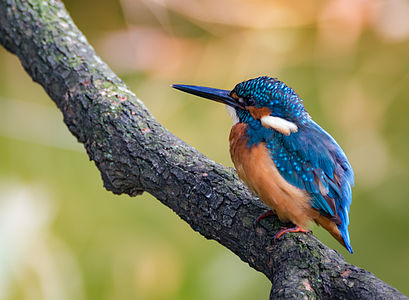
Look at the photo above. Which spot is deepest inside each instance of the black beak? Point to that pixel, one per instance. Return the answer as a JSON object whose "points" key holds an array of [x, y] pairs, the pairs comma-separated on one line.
{"points": [[222, 96]]}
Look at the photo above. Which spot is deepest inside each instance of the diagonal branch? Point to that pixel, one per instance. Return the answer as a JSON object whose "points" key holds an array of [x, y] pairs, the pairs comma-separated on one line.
{"points": [[134, 153]]}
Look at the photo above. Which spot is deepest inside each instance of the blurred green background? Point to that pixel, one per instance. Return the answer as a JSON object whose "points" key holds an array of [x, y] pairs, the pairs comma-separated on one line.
{"points": [[62, 236]]}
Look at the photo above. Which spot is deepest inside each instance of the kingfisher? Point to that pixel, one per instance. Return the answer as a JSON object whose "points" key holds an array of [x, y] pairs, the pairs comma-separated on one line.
{"points": [[285, 158]]}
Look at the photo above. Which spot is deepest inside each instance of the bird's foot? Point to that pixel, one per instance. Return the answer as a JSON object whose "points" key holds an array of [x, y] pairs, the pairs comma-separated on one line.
{"points": [[293, 229], [265, 214]]}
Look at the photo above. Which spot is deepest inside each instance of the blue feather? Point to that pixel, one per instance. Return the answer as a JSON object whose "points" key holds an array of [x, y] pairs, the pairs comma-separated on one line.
{"points": [[300, 157], [316, 150]]}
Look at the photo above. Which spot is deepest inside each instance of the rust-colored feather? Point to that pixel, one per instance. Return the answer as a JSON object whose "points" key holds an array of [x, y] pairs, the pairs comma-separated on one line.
{"points": [[257, 113]]}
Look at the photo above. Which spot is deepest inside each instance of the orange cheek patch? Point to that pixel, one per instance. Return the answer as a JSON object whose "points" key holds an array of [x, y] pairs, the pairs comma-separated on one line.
{"points": [[258, 113], [234, 95]]}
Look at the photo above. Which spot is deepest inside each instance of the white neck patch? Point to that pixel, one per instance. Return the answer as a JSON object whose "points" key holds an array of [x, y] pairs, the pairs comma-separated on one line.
{"points": [[232, 113], [279, 124]]}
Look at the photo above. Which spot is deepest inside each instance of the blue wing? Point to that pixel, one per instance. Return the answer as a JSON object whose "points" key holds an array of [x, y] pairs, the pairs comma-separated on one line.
{"points": [[313, 161]]}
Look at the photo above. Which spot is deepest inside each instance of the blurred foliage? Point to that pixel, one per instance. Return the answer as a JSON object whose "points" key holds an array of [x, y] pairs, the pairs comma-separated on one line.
{"points": [[63, 236]]}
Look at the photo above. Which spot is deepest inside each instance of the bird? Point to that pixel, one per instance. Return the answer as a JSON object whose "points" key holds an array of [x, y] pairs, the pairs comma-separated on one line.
{"points": [[284, 157]]}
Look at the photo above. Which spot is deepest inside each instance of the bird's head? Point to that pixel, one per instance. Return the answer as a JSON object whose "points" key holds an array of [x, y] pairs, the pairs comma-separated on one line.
{"points": [[265, 99]]}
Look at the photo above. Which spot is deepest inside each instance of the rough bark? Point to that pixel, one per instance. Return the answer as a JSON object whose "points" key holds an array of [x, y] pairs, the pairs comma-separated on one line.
{"points": [[134, 153]]}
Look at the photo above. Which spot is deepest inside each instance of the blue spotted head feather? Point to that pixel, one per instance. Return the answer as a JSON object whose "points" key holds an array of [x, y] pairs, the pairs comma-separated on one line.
{"points": [[272, 93]]}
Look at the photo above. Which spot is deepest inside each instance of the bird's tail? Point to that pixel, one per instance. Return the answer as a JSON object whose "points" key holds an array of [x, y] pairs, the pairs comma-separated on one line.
{"points": [[343, 212], [343, 228], [340, 232]]}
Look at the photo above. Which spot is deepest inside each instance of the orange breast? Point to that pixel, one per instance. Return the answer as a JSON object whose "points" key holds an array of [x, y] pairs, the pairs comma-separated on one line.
{"points": [[255, 167]]}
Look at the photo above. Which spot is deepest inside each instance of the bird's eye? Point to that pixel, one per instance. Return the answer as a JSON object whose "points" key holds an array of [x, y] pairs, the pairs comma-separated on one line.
{"points": [[250, 101]]}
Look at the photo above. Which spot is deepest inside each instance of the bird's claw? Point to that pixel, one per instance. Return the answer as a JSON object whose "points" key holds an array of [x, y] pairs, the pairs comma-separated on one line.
{"points": [[265, 214], [293, 229]]}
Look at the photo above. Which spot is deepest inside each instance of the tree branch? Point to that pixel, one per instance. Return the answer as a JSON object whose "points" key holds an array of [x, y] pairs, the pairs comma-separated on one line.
{"points": [[134, 153]]}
